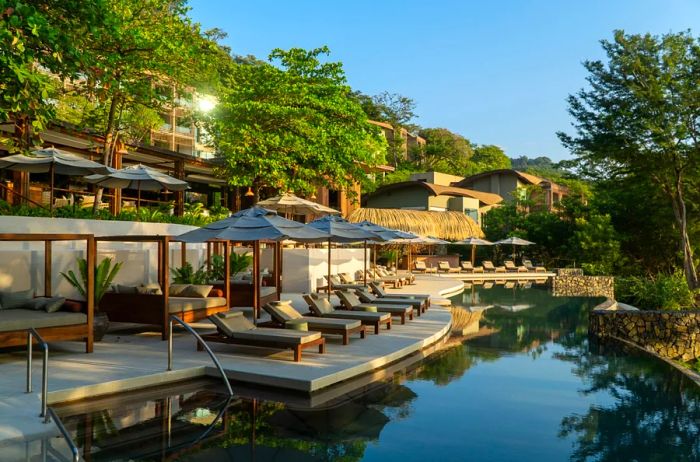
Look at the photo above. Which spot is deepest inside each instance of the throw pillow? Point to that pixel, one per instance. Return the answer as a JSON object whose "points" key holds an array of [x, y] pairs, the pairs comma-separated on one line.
{"points": [[216, 293], [177, 289], [127, 289], [155, 288], [54, 304], [13, 300], [73, 306], [196, 291], [148, 290], [35, 303]]}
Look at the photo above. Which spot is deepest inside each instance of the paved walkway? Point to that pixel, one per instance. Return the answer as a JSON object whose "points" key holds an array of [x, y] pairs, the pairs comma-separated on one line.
{"points": [[126, 362]]}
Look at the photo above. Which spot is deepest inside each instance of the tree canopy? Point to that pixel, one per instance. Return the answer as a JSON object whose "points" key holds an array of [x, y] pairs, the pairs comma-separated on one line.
{"points": [[292, 126], [639, 119]]}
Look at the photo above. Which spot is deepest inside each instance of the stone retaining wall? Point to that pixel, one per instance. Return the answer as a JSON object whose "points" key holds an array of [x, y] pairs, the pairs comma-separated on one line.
{"points": [[673, 335], [583, 286], [568, 271]]}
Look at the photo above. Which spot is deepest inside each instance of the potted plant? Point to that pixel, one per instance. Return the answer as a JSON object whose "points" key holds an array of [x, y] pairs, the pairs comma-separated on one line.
{"points": [[105, 273]]}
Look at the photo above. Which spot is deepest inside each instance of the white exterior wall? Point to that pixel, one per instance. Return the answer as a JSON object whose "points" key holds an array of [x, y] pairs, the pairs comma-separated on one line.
{"points": [[303, 269]]}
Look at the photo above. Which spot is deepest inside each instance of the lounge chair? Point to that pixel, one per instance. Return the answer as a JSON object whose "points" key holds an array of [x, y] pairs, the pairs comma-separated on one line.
{"points": [[444, 267], [467, 267], [511, 268], [235, 329], [420, 267], [337, 284], [381, 293], [352, 302], [406, 278], [395, 281], [489, 268], [535, 269], [282, 313], [322, 308], [366, 297]]}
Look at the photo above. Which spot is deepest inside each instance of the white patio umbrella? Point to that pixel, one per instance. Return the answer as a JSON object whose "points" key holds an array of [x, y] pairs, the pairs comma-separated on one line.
{"points": [[138, 177], [52, 161], [474, 241], [289, 204], [513, 241]]}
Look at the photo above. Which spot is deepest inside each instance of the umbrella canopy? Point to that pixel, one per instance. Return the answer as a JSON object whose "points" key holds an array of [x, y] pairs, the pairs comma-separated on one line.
{"points": [[255, 224], [386, 234], [291, 204], [52, 161], [43, 160], [474, 241], [138, 177], [513, 241], [341, 230]]}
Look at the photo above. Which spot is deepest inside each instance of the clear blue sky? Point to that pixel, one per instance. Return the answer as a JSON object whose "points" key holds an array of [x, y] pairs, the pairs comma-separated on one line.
{"points": [[497, 72]]}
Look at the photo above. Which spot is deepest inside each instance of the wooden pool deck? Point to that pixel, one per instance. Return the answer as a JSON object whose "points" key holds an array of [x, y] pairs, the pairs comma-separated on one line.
{"points": [[125, 361]]}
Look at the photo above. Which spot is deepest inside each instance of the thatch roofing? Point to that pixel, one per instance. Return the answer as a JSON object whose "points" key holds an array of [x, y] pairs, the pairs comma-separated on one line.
{"points": [[453, 226]]}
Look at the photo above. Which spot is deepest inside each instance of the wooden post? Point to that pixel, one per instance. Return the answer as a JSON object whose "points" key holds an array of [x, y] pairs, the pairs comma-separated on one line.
{"points": [[179, 195], [277, 274], [364, 262], [90, 291], [183, 254], [227, 272], [117, 192], [256, 280], [208, 256], [164, 263], [47, 268], [328, 289]]}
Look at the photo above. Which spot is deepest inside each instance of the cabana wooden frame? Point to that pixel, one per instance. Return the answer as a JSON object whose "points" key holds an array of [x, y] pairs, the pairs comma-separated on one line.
{"points": [[58, 333], [154, 309]]}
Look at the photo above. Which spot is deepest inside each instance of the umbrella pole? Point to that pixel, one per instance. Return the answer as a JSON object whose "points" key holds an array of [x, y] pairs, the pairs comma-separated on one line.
{"points": [[138, 198], [52, 174], [364, 261], [256, 281], [329, 270], [473, 254]]}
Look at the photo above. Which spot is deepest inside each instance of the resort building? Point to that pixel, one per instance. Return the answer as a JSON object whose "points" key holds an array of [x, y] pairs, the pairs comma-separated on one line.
{"points": [[432, 192], [513, 184], [410, 141]]}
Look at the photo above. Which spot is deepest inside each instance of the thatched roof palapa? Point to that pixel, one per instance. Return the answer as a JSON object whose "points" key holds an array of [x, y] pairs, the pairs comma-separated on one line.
{"points": [[453, 226]]}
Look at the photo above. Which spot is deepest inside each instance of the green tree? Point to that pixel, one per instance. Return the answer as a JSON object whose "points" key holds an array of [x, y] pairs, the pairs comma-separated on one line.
{"points": [[39, 38], [488, 157], [639, 118], [292, 127], [444, 151]]}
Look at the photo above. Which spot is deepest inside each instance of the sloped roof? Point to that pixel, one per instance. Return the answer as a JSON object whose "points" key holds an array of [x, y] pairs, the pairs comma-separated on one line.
{"points": [[525, 177], [439, 190], [454, 226]]}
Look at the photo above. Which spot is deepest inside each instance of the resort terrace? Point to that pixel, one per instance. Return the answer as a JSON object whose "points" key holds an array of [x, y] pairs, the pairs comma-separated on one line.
{"points": [[127, 359]]}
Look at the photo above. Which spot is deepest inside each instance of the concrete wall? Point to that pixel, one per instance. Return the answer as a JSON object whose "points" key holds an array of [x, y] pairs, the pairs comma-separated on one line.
{"points": [[583, 286], [673, 335], [303, 269], [501, 184], [443, 179], [410, 197]]}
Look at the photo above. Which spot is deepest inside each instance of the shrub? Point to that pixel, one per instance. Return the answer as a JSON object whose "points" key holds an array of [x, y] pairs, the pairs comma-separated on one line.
{"points": [[659, 292]]}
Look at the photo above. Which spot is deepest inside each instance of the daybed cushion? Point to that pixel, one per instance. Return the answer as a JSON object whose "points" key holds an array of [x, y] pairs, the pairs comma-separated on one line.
{"points": [[11, 320], [180, 304], [196, 291], [237, 326], [176, 289], [12, 300]]}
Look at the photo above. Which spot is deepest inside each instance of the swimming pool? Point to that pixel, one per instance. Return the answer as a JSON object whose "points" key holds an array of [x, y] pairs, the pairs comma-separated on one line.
{"points": [[528, 386]]}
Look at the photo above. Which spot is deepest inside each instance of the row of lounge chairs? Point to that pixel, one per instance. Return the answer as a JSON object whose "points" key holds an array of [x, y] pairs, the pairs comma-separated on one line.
{"points": [[378, 275], [486, 267], [362, 309]]}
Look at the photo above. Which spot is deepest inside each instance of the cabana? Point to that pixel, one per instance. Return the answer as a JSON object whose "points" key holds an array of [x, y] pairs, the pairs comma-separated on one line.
{"points": [[155, 306], [60, 325]]}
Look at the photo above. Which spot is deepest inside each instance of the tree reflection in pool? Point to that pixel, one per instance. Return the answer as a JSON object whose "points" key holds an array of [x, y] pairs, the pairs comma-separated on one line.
{"points": [[527, 386]]}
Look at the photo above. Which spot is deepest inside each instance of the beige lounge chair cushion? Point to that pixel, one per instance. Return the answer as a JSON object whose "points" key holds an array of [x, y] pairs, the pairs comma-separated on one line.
{"points": [[320, 323], [358, 315], [282, 311], [11, 320], [237, 326], [182, 304]]}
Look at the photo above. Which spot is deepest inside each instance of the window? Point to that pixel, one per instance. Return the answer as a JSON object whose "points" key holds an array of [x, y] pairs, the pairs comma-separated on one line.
{"points": [[473, 214]]}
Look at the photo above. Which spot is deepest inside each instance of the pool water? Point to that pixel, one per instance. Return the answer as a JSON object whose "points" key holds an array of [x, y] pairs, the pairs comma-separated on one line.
{"points": [[527, 386]]}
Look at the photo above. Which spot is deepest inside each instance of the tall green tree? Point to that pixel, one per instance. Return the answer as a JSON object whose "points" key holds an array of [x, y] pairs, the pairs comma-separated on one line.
{"points": [[444, 151], [488, 157], [293, 126], [640, 117], [38, 39]]}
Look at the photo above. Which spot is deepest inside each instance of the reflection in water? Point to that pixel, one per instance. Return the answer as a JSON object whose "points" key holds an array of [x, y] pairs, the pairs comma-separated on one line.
{"points": [[527, 386]]}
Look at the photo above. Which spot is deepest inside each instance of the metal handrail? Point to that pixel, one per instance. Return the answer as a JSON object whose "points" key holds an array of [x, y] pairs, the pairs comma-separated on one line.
{"points": [[66, 435], [31, 332], [201, 341]]}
